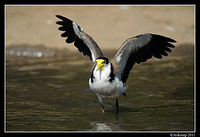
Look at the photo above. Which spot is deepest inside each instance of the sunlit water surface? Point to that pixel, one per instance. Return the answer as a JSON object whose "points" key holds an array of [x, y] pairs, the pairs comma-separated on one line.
{"points": [[52, 94]]}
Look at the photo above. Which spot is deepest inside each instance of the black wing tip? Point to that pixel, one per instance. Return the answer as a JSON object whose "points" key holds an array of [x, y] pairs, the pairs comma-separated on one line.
{"points": [[59, 22], [63, 18], [59, 16], [163, 37], [171, 40]]}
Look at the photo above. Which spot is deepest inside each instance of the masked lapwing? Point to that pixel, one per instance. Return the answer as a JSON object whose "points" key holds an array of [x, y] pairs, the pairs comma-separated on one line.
{"points": [[109, 76]]}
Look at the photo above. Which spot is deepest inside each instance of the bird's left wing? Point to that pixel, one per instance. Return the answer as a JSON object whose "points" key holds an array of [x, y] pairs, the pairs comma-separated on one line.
{"points": [[74, 33], [138, 49]]}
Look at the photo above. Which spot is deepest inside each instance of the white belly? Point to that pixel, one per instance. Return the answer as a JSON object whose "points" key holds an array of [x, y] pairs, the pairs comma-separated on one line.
{"points": [[106, 89]]}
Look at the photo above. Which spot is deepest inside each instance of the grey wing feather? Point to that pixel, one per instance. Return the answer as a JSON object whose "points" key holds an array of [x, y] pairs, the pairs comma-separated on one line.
{"points": [[138, 49], [82, 40]]}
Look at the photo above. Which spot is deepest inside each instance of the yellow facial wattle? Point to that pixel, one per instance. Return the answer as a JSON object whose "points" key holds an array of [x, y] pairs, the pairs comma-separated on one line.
{"points": [[100, 64]]}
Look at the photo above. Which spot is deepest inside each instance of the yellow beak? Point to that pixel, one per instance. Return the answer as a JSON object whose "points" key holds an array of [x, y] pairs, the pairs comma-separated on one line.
{"points": [[100, 64]]}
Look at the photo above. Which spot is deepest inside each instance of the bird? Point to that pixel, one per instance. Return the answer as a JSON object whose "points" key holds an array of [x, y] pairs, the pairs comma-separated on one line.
{"points": [[108, 77]]}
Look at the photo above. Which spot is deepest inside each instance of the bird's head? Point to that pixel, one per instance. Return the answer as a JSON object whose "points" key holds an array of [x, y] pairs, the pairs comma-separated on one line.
{"points": [[101, 61]]}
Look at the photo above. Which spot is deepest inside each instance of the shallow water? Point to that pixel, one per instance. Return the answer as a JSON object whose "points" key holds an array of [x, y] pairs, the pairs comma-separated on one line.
{"points": [[52, 94]]}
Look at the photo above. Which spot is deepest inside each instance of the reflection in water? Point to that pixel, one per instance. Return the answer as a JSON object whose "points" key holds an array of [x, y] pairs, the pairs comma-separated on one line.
{"points": [[52, 94], [107, 122], [30, 51], [100, 127]]}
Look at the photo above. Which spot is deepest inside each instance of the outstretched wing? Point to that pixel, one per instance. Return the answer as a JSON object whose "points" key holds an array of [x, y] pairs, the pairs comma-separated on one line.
{"points": [[82, 40], [138, 49]]}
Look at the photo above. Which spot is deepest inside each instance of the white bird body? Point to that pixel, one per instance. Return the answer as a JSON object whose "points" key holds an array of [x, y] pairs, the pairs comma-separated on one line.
{"points": [[102, 86]]}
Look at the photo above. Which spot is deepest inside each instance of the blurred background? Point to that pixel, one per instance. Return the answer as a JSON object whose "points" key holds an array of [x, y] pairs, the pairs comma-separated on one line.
{"points": [[109, 25], [47, 79]]}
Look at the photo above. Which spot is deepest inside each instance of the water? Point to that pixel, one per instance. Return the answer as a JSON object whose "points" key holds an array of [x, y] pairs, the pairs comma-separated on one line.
{"points": [[52, 94]]}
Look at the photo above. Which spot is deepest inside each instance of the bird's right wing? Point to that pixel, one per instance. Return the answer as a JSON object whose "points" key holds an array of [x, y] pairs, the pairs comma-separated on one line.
{"points": [[138, 49], [82, 40]]}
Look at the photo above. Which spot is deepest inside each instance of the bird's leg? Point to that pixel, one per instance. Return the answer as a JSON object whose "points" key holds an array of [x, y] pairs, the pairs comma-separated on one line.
{"points": [[117, 105], [101, 102], [124, 94], [102, 108]]}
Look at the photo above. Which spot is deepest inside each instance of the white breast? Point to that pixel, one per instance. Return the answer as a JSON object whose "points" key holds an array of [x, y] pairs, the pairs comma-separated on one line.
{"points": [[102, 86]]}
